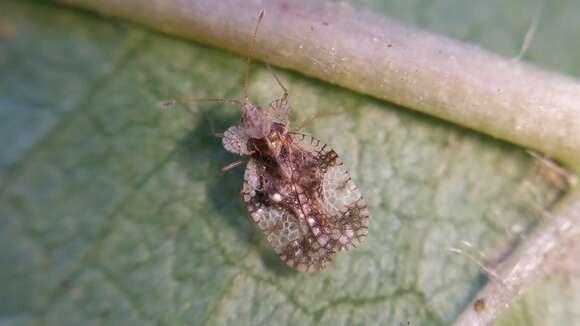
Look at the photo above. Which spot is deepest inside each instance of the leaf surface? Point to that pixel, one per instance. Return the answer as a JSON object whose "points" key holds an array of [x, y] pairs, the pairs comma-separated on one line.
{"points": [[113, 211]]}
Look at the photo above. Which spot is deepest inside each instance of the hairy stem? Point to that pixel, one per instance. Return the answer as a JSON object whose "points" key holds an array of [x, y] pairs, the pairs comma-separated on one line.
{"points": [[373, 55], [522, 268]]}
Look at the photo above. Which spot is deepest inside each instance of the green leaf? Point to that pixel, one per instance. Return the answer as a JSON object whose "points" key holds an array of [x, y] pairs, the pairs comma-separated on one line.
{"points": [[115, 212]]}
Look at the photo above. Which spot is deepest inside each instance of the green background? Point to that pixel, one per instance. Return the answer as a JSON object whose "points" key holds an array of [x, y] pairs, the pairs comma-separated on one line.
{"points": [[115, 212]]}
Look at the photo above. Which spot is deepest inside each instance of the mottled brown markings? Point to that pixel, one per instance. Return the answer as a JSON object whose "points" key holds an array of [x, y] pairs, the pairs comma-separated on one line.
{"points": [[296, 189]]}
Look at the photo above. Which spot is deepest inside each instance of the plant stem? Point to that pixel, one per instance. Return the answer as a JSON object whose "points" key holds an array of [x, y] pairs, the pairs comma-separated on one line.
{"points": [[373, 55], [536, 252], [501, 97]]}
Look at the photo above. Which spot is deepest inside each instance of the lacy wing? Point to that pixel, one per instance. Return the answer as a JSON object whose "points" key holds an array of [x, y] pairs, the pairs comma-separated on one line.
{"points": [[345, 209], [289, 235]]}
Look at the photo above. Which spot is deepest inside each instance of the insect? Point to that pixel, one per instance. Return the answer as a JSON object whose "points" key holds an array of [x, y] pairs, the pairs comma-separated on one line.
{"points": [[296, 189]]}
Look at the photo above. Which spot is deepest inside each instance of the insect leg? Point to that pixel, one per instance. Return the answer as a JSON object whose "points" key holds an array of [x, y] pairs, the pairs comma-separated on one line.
{"points": [[312, 117], [215, 133], [232, 165]]}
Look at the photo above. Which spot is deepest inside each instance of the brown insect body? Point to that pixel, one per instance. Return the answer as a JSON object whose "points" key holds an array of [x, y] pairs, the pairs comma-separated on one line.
{"points": [[296, 189]]}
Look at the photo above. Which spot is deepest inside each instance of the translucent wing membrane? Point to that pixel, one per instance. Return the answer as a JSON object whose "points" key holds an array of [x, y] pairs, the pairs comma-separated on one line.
{"points": [[236, 141], [340, 201], [279, 111], [284, 228]]}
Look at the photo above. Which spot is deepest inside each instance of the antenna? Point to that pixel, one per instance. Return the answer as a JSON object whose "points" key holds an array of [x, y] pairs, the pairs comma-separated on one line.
{"points": [[285, 96], [186, 100], [252, 46]]}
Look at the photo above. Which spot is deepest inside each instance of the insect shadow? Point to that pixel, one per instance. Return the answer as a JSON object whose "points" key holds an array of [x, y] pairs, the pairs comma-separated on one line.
{"points": [[202, 155]]}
